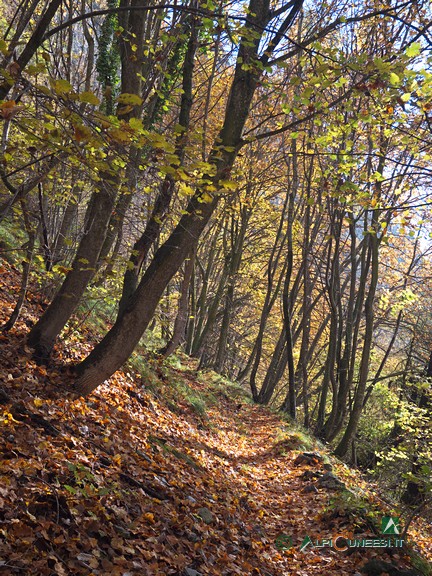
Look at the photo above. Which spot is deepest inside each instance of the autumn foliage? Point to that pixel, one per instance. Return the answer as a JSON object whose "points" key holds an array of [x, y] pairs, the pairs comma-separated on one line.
{"points": [[135, 481]]}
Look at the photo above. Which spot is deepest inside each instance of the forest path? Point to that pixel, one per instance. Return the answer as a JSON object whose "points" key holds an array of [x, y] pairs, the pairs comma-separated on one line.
{"points": [[163, 472]]}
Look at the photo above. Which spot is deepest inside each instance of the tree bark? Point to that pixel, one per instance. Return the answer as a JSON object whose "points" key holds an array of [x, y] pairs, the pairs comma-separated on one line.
{"points": [[289, 404], [121, 340], [44, 334], [237, 242], [351, 428], [182, 314], [159, 213], [33, 44], [26, 270]]}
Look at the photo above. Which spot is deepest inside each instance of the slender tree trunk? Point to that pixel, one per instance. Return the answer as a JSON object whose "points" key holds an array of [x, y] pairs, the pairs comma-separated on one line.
{"points": [[22, 190], [351, 428], [182, 314], [159, 213], [46, 244], [333, 291], [205, 308], [208, 314], [69, 216], [26, 270], [44, 334], [339, 407], [33, 44], [237, 242], [20, 23], [302, 367], [114, 229], [289, 404], [190, 324], [275, 370], [270, 298]]}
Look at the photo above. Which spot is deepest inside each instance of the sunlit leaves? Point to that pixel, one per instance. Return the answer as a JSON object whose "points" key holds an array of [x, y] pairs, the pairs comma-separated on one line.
{"points": [[130, 99], [413, 49], [61, 87], [89, 98], [394, 79]]}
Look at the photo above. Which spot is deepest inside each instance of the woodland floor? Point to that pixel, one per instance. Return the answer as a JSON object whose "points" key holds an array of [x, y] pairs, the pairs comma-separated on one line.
{"points": [[130, 483]]}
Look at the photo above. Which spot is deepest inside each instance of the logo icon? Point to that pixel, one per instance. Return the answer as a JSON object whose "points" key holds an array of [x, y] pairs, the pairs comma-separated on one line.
{"points": [[283, 542], [390, 525], [306, 542]]}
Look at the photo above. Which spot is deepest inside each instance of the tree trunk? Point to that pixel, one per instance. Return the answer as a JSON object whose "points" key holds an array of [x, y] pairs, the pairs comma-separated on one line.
{"points": [[270, 298], [182, 314], [275, 370], [43, 335], [26, 270], [121, 340], [289, 404], [237, 242], [159, 213], [333, 291], [69, 216], [351, 428], [33, 44]]}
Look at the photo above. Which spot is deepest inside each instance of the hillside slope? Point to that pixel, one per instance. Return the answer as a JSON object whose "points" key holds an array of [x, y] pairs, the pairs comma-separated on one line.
{"points": [[175, 473]]}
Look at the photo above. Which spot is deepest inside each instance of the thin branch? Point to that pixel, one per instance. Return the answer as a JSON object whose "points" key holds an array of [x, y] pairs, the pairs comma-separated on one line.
{"points": [[107, 11], [297, 122], [333, 26]]}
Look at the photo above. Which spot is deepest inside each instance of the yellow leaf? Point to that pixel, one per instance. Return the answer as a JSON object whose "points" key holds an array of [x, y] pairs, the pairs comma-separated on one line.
{"points": [[136, 124], [119, 135], [89, 98], [394, 79], [63, 269], [185, 190], [129, 99], [205, 197], [61, 86], [3, 47], [228, 184]]}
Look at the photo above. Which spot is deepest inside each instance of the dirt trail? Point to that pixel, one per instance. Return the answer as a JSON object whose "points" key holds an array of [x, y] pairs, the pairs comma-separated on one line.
{"points": [[135, 481]]}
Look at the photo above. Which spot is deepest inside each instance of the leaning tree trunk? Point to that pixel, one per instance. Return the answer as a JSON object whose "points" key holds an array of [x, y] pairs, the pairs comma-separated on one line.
{"points": [[32, 44], [120, 341]]}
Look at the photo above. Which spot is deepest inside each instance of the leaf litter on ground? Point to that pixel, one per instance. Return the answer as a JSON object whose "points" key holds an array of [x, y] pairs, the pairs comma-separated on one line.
{"points": [[122, 484]]}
